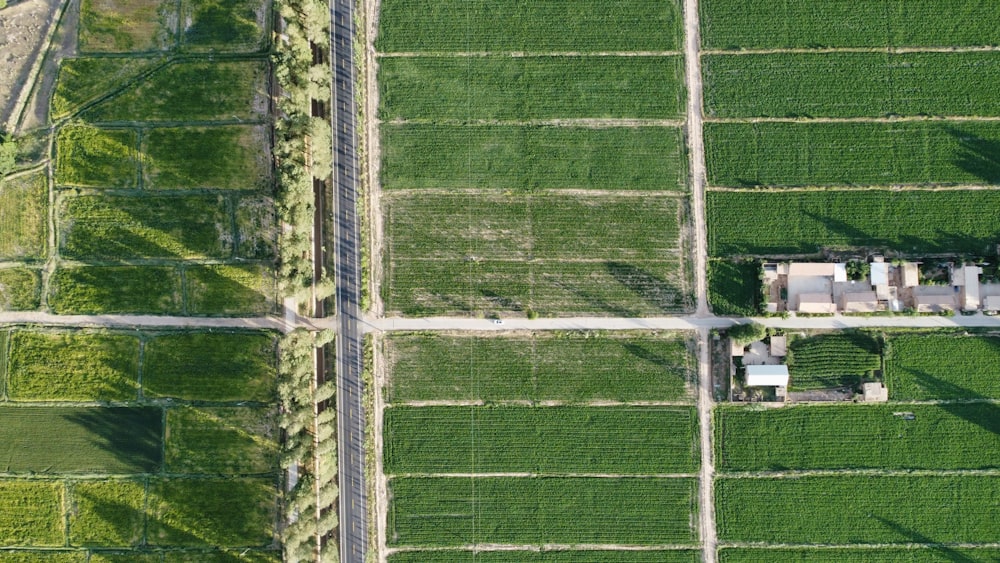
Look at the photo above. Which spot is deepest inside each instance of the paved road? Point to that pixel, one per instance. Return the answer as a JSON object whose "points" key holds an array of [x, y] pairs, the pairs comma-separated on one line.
{"points": [[347, 249]]}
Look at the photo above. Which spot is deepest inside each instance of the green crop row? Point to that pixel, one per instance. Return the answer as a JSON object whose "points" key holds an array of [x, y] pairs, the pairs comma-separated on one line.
{"points": [[83, 81], [23, 217], [553, 556], [832, 360], [528, 158], [501, 510], [942, 366], [539, 367], [734, 288], [918, 554], [20, 289], [948, 436], [221, 440], [619, 440]]}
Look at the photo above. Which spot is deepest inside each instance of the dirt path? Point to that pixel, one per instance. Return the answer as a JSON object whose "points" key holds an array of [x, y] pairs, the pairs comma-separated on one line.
{"points": [[26, 29], [373, 155], [696, 150], [706, 512]]}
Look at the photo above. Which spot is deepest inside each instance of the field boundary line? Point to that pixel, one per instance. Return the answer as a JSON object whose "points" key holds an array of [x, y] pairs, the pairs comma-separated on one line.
{"points": [[857, 188], [858, 119], [520, 193], [523, 54], [544, 548], [831, 50], [880, 472], [538, 404], [541, 475], [578, 122], [845, 546]]}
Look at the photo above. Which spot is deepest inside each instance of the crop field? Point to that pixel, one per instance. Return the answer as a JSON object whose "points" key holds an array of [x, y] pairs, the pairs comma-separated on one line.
{"points": [[115, 26], [88, 156], [892, 509], [583, 556], [116, 289], [48, 556], [23, 217], [832, 360], [934, 554], [852, 84], [221, 25], [760, 24], [540, 367], [502, 510], [942, 366], [222, 157], [229, 440], [225, 289], [512, 157], [443, 88], [506, 25], [552, 440], [20, 289], [204, 512], [805, 222], [107, 513], [38, 509], [82, 81], [734, 288], [832, 154], [949, 436]]}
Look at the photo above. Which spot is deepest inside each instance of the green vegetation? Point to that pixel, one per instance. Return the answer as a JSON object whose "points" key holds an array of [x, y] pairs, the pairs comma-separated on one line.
{"points": [[952, 436], [123, 227], [435, 88], [827, 154], [227, 157], [125, 557], [734, 288], [72, 366], [20, 289], [211, 512], [82, 81], [33, 510], [757, 24], [492, 25], [80, 440], [93, 157], [224, 25], [852, 84], [115, 289], [552, 440], [220, 440], [46, 556], [942, 366], [524, 157], [211, 367], [832, 509], [539, 367], [24, 205], [566, 556], [256, 228], [832, 360], [747, 332], [127, 26], [806, 222], [221, 289], [232, 556], [107, 513], [932, 554], [503, 510]]}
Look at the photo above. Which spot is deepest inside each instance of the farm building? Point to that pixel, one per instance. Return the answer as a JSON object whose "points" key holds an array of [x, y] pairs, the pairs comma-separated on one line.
{"points": [[934, 303], [779, 346], [818, 303], [967, 278], [991, 303], [767, 376], [860, 302], [874, 392], [911, 274]]}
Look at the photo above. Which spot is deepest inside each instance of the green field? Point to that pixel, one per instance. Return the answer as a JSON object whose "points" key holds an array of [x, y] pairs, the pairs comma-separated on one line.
{"points": [[527, 158], [942, 366], [115, 289], [226, 157], [48, 557], [72, 366], [832, 360], [757, 24], [505, 25], [468, 88], [256, 228], [99, 158], [932, 554], [852, 84], [107, 513], [952, 436], [539, 367], [20, 289], [221, 440], [33, 511], [126, 26], [859, 509], [223, 289], [24, 203], [805, 222], [552, 440], [84, 80], [80, 439], [216, 556], [125, 557], [567, 556], [211, 367], [224, 25], [211, 512], [463, 511], [734, 288], [124, 227], [830, 154]]}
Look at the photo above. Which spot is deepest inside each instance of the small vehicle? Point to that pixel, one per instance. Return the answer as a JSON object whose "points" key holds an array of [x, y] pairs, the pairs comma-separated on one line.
{"points": [[498, 321]]}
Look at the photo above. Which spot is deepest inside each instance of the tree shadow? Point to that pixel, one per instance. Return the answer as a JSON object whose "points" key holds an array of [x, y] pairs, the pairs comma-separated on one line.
{"points": [[948, 553], [654, 290], [130, 435], [972, 406], [978, 156]]}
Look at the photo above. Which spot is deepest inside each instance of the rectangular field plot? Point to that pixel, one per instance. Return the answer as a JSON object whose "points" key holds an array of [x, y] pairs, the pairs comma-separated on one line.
{"points": [[852, 84], [831, 154], [500, 510], [859, 509], [734, 288], [24, 203], [72, 366], [221, 440], [523, 157], [223, 556], [560, 556], [469, 88], [83, 80], [114, 26], [932, 554], [33, 512], [20, 289], [222, 289], [48, 556], [100, 158], [115, 289], [760, 24], [539, 367], [950, 436], [553, 440], [191, 91], [805, 222], [80, 439], [832, 360], [225, 157], [125, 557], [922, 367], [211, 512], [124, 227], [107, 513], [224, 25], [505, 25], [211, 367], [256, 228]]}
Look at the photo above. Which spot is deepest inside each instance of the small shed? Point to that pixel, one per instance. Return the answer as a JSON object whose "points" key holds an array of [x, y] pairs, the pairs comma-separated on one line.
{"points": [[821, 303], [874, 392], [911, 274], [934, 303], [767, 376], [736, 349], [880, 273], [991, 303], [779, 347], [860, 302]]}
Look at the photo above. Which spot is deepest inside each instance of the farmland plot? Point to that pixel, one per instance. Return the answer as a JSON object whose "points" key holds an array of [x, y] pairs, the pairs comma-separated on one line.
{"points": [[33, 513], [220, 25], [832, 360], [107, 513], [221, 440], [942, 366], [934, 554], [734, 288], [114, 26], [82, 81], [211, 512], [88, 156], [20, 289], [116, 289], [562, 556], [230, 289], [48, 556], [223, 157], [23, 217]]}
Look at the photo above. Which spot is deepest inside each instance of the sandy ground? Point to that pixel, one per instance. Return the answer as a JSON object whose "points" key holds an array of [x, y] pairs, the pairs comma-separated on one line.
{"points": [[23, 30], [373, 146]]}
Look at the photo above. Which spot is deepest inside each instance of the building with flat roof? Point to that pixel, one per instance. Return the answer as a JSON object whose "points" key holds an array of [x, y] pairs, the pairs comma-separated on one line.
{"points": [[779, 346], [816, 303], [767, 376], [934, 303], [859, 302]]}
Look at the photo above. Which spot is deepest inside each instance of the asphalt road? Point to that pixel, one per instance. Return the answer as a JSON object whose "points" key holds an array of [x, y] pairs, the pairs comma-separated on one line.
{"points": [[347, 271]]}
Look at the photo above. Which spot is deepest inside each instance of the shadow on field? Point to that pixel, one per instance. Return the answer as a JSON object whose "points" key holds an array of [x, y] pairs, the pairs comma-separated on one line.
{"points": [[979, 157], [973, 406], [649, 287], [943, 242], [644, 354], [132, 435], [948, 553]]}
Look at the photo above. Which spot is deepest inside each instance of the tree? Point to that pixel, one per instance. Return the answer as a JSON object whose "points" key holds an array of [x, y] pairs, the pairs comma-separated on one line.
{"points": [[747, 333]]}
